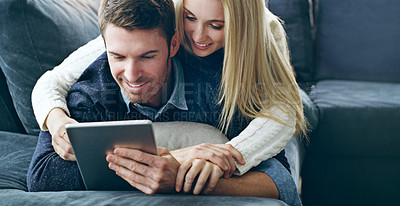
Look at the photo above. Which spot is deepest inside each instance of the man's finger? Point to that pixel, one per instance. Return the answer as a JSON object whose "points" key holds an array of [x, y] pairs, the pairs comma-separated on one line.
{"points": [[132, 166], [136, 180], [65, 146], [138, 156], [63, 149], [65, 136]]}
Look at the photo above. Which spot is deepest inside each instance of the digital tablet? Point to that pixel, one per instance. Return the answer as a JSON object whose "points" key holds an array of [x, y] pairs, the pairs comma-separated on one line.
{"points": [[91, 142]]}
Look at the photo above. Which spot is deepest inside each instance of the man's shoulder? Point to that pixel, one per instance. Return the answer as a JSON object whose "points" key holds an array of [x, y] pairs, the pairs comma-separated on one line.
{"points": [[95, 88], [97, 76]]}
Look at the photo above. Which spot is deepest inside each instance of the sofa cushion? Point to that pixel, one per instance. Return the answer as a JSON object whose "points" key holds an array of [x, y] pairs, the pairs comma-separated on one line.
{"points": [[16, 152], [358, 40], [356, 119], [296, 16], [35, 37], [137, 198]]}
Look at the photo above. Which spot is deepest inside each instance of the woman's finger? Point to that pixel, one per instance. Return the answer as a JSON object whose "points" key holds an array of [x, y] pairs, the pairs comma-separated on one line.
{"points": [[214, 178], [180, 176], [225, 154], [203, 177], [193, 172]]}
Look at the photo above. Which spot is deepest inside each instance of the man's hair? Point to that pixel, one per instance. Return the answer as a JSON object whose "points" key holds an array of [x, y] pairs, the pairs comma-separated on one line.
{"points": [[138, 14]]}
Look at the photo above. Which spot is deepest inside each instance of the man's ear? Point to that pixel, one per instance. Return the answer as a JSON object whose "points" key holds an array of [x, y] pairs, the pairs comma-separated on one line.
{"points": [[175, 44]]}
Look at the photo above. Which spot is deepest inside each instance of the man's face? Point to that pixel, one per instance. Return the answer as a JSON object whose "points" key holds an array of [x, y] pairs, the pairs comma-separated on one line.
{"points": [[139, 63]]}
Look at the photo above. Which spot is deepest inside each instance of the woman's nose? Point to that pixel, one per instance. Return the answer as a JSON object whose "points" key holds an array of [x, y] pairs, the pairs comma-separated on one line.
{"points": [[200, 34]]}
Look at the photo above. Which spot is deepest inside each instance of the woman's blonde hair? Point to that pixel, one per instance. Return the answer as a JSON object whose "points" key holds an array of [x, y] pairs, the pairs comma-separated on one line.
{"points": [[257, 74]]}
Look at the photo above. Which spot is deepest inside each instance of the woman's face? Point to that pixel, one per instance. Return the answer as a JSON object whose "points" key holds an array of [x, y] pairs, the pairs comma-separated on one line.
{"points": [[204, 25]]}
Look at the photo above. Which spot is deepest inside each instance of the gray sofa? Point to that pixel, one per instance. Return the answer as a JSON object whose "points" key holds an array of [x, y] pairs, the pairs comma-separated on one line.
{"points": [[345, 53]]}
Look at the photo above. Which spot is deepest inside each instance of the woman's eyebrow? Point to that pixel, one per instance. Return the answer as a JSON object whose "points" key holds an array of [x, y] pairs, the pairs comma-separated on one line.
{"points": [[188, 11], [213, 20]]}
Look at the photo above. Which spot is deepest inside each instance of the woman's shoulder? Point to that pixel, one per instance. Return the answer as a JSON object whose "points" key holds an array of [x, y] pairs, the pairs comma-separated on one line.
{"points": [[275, 24]]}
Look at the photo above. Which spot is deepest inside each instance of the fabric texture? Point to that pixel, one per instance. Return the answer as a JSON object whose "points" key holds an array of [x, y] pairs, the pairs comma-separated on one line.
{"points": [[348, 109], [15, 154], [279, 175], [9, 120], [90, 198], [297, 23], [358, 40], [35, 37]]}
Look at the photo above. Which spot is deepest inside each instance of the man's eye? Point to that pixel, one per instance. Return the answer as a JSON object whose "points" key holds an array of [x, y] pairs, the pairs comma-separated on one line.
{"points": [[118, 57], [148, 57]]}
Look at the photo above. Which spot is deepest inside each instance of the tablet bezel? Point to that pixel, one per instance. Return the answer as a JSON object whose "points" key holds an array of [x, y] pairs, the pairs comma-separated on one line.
{"points": [[92, 141]]}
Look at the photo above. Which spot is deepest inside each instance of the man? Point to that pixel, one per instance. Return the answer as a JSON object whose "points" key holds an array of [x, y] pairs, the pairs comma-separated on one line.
{"points": [[137, 78]]}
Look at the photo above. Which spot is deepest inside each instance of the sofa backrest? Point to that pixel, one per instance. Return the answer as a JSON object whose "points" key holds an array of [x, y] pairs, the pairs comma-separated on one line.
{"points": [[297, 23], [358, 40], [35, 37], [9, 120]]}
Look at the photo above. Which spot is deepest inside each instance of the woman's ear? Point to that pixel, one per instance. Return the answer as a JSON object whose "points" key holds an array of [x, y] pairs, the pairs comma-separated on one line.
{"points": [[175, 44]]}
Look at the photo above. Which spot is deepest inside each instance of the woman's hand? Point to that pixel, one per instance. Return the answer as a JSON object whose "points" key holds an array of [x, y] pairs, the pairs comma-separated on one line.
{"points": [[223, 155], [56, 121], [205, 171]]}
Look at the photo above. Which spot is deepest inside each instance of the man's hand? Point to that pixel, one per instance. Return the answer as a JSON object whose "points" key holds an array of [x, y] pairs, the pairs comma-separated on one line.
{"points": [[205, 171], [56, 121], [146, 172], [223, 155]]}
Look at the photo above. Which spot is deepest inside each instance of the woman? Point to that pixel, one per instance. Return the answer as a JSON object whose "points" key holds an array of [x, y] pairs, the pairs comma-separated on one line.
{"points": [[257, 78]]}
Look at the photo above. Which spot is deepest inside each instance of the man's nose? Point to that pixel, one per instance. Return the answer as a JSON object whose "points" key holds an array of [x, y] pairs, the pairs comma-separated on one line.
{"points": [[133, 71], [200, 34]]}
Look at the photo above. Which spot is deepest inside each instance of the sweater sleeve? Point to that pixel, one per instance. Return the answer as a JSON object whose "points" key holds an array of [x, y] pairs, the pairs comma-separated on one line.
{"points": [[262, 139], [52, 87]]}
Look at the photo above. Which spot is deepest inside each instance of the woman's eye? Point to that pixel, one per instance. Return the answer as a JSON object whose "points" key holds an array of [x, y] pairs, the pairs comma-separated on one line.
{"points": [[216, 27], [190, 18]]}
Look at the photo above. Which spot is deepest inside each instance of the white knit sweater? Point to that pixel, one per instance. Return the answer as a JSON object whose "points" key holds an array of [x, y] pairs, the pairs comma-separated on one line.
{"points": [[262, 139]]}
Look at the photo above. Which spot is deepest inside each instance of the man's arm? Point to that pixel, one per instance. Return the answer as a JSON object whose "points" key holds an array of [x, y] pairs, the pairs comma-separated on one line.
{"points": [[254, 184], [269, 179]]}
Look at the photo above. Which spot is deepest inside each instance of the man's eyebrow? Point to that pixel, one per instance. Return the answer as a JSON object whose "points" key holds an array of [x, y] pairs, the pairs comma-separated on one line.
{"points": [[213, 20], [150, 52], [114, 53], [144, 54]]}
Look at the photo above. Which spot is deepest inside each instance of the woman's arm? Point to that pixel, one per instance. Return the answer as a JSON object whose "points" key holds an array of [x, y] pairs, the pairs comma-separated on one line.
{"points": [[262, 139], [52, 87]]}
